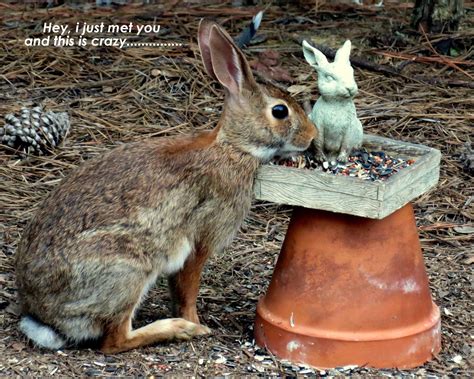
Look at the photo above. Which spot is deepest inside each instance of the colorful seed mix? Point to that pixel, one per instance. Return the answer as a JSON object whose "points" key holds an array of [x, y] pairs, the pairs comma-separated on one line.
{"points": [[367, 165]]}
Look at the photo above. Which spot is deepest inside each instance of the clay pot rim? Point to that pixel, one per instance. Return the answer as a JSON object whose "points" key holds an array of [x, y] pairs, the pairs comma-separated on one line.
{"points": [[378, 335]]}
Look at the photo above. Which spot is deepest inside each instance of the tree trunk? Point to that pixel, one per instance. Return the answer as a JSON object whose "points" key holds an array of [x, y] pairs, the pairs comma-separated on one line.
{"points": [[437, 16]]}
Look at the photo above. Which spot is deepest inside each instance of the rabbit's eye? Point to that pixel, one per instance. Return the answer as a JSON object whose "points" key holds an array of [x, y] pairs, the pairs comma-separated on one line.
{"points": [[329, 77], [280, 111]]}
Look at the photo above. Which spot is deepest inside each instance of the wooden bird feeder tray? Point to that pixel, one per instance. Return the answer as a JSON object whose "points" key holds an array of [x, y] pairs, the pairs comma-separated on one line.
{"points": [[350, 286], [350, 195]]}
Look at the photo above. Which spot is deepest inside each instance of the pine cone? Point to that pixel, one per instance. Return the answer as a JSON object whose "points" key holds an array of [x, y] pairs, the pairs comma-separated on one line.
{"points": [[34, 131]]}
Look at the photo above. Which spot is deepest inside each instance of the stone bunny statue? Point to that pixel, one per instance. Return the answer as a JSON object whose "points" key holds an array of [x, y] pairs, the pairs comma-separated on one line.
{"points": [[334, 114]]}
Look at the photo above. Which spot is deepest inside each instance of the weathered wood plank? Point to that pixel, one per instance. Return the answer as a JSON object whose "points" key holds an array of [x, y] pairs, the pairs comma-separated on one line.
{"points": [[399, 198], [293, 194], [318, 180], [410, 175]]}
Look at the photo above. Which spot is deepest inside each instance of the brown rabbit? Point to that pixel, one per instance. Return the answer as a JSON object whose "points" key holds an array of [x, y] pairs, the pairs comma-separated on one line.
{"points": [[158, 207]]}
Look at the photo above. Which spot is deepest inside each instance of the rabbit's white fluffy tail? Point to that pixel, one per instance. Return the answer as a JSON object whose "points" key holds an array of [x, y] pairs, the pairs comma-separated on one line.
{"points": [[41, 334]]}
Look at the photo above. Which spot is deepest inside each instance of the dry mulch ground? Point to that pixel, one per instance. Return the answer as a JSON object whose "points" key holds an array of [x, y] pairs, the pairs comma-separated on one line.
{"points": [[117, 96]]}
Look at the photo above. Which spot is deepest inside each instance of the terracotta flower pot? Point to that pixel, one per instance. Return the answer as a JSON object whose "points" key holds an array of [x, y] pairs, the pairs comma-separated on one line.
{"points": [[350, 290]]}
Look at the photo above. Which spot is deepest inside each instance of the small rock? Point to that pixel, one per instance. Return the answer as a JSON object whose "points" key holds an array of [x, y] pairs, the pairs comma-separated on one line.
{"points": [[220, 360], [349, 367], [467, 349], [457, 359], [92, 372]]}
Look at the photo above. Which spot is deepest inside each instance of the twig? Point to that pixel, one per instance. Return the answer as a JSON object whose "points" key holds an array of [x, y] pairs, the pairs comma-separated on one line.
{"points": [[448, 83], [446, 61], [415, 58]]}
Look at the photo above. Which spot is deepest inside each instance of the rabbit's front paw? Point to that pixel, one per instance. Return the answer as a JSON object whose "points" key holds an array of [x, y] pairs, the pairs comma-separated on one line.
{"points": [[185, 330]]}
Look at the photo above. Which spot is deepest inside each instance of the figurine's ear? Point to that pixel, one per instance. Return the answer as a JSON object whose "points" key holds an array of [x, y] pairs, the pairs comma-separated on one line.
{"points": [[313, 56], [343, 54]]}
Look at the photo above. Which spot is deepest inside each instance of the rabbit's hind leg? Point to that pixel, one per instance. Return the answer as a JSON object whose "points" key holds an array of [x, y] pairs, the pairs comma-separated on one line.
{"points": [[121, 337]]}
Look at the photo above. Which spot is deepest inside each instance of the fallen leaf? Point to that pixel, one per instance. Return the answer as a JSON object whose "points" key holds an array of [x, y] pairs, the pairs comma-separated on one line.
{"points": [[304, 77], [167, 73], [18, 346], [275, 73], [13, 309], [267, 65], [469, 260], [465, 229], [269, 57], [297, 88]]}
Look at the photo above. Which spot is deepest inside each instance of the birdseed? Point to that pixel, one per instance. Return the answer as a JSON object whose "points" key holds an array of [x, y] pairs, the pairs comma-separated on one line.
{"points": [[363, 164]]}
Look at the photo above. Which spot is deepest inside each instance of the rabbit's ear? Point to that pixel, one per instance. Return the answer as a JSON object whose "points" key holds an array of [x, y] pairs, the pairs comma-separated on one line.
{"points": [[228, 62], [344, 52], [313, 56], [204, 33]]}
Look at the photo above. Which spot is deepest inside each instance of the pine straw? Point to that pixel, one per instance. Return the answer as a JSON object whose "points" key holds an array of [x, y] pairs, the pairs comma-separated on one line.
{"points": [[117, 96]]}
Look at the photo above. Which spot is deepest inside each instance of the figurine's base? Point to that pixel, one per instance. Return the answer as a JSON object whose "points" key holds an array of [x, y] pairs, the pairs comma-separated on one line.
{"points": [[350, 291]]}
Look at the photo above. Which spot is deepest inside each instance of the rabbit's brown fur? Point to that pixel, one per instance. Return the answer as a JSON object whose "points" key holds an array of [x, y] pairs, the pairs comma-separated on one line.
{"points": [[159, 207]]}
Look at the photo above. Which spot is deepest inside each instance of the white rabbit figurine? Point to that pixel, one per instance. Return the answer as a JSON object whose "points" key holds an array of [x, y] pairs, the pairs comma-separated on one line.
{"points": [[334, 114]]}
